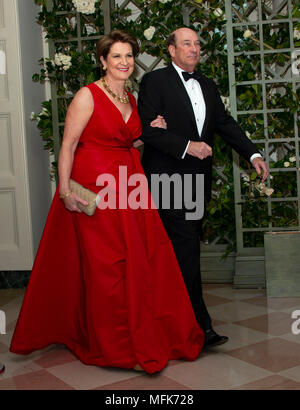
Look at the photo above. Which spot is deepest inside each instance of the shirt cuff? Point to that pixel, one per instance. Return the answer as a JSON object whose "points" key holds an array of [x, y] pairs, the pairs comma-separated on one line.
{"points": [[186, 150], [255, 156]]}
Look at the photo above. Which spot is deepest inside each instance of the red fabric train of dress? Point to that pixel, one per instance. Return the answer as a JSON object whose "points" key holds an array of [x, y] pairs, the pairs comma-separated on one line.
{"points": [[108, 287]]}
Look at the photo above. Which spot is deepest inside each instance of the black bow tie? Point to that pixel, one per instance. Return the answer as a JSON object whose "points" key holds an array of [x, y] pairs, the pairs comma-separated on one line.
{"points": [[187, 76]]}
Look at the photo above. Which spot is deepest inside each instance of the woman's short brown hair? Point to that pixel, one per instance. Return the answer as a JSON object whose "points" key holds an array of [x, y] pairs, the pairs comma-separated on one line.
{"points": [[105, 42]]}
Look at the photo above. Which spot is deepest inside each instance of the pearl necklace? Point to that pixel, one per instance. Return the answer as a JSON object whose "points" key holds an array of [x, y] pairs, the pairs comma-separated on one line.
{"points": [[124, 100]]}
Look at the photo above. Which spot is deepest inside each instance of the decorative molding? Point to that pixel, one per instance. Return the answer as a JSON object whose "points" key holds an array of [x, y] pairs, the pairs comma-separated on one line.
{"points": [[6, 153], [4, 94], [9, 220], [2, 19]]}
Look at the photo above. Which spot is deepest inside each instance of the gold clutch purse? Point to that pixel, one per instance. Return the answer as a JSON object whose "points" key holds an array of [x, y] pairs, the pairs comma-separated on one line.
{"points": [[86, 195]]}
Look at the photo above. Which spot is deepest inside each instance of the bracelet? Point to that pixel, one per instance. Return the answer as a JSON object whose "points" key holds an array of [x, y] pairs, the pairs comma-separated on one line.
{"points": [[66, 195]]}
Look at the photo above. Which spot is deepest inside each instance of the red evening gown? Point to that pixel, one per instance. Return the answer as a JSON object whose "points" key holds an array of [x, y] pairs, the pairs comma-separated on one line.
{"points": [[108, 286]]}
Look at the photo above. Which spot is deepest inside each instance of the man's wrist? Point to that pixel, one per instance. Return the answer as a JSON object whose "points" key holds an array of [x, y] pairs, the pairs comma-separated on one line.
{"points": [[257, 155], [185, 151]]}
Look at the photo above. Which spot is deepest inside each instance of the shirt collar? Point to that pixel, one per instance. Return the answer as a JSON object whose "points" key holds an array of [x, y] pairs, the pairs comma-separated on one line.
{"points": [[179, 71]]}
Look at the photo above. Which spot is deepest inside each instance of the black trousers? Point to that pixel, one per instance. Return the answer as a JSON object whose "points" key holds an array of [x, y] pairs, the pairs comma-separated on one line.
{"points": [[185, 238]]}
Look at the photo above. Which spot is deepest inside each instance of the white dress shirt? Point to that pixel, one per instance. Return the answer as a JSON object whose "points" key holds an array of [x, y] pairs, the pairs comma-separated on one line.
{"points": [[195, 94]]}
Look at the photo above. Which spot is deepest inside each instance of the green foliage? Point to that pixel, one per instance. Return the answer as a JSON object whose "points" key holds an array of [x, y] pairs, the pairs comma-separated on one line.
{"points": [[68, 74]]}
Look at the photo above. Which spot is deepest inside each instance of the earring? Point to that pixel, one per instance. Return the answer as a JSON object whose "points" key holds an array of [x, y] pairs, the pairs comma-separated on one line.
{"points": [[104, 68]]}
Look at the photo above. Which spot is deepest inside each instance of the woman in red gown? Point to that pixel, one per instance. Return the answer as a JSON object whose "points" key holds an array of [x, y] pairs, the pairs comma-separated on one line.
{"points": [[106, 286]]}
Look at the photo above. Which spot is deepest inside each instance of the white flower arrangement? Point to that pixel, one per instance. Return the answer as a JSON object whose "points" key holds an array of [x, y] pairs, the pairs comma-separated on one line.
{"points": [[246, 179], [296, 34], [215, 194], [85, 6], [90, 29], [263, 190], [247, 34], [149, 33], [68, 92], [164, 1], [226, 102], [62, 60], [218, 12], [257, 185], [288, 163], [37, 117]]}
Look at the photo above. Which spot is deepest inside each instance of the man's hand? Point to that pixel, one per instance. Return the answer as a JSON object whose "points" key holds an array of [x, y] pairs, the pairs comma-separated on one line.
{"points": [[199, 149], [260, 165]]}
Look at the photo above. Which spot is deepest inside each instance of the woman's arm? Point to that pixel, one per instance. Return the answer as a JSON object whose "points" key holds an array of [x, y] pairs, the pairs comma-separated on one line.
{"points": [[78, 115]]}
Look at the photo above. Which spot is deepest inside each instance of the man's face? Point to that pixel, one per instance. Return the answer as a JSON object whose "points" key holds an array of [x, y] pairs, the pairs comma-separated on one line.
{"points": [[186, 53]]}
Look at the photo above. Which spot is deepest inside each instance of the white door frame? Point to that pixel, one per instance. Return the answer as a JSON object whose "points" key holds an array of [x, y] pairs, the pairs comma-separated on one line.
{"points": [[16, 251]]}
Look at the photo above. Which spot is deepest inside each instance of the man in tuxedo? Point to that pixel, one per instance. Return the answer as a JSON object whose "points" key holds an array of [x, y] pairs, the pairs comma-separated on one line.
{"points": [[193, 110]]}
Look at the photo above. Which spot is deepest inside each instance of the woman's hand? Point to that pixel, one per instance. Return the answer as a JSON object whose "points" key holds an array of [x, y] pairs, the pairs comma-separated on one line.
{"points": [[71, 202], [159, 122]]}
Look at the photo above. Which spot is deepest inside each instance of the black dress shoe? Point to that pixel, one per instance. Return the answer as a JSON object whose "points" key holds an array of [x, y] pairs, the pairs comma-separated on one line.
{"points": [[213, 339], [2, 368]]}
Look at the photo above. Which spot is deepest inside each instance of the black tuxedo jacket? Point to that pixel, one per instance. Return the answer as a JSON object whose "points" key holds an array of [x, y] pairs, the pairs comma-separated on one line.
{"points": [[162, 92]]}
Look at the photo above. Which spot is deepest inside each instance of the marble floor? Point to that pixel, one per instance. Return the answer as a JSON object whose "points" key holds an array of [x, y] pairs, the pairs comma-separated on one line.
{"points": [[263, 352]]}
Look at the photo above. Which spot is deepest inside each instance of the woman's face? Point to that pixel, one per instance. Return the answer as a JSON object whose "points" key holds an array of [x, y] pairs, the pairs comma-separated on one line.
{"points": [[119, 62]]}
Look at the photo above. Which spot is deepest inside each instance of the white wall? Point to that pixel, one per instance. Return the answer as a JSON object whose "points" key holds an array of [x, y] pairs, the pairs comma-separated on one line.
{"points": [[37, 159]]}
